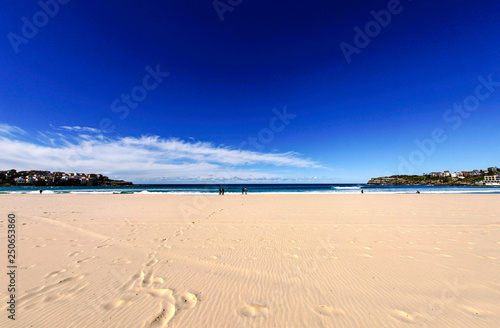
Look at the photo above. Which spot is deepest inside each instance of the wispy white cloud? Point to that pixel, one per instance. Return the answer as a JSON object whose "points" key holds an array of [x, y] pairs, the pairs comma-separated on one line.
{"points": [[141, 159], [10, 130], [80, 129]]}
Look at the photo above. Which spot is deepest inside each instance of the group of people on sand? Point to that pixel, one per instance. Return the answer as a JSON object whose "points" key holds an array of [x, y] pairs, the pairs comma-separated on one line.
{"points": [[244, 191], [418, 192]]}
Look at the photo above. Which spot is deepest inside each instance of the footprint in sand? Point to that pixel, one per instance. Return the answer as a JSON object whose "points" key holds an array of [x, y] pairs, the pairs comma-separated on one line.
{"points": [[187, 301], [405, 316], [328, 310], [471, 310], [55, 273], [53, 297], [148, 279], [488, 257], [165, 292], [115, 303], [152, 262], [85, 259], [168, 306], [75, 278], [121, 261], [254, 310], [166, 314]]}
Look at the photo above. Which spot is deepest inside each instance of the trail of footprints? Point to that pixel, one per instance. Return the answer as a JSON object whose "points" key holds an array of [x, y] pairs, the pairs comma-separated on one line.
{"points": [[56, 287], [62, 289], [145, 282]]}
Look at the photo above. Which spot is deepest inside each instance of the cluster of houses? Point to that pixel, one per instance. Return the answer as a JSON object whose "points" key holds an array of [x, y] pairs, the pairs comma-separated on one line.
{"points": [[490, 175], [47, 178]]}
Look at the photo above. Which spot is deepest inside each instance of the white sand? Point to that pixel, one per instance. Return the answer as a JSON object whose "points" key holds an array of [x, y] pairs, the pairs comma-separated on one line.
{"points": [[254, 261]]}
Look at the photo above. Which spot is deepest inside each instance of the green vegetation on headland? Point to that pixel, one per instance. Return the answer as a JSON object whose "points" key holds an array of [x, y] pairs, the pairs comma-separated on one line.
{"points": [[47, 178], [488, 177]]}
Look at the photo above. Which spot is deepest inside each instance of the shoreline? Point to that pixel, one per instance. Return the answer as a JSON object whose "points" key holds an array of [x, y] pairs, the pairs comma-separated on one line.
{"points": [[256, 190], [45, 193]]}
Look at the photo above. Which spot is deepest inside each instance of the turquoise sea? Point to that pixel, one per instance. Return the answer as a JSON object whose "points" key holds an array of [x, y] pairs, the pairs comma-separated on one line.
{"points": [[193, 189]]}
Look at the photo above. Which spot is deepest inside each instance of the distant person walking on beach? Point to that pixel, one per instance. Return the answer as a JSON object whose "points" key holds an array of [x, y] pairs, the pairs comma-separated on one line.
{"points": [[41, 191], [246, 191], [362, 191], [223, 191], [242, 191], [220, 191]]}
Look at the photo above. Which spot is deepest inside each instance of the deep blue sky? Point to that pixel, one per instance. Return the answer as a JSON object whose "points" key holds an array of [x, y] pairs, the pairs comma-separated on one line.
{"points": [[354, 120]]}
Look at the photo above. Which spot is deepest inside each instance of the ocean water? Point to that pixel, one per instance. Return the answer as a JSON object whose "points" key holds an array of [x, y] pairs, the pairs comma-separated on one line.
{"points": [[192, 189]]}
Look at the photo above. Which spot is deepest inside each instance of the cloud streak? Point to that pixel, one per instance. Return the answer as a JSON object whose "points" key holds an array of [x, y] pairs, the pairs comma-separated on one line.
{"points": [[140, 159], [10, 130], [80, 129]]}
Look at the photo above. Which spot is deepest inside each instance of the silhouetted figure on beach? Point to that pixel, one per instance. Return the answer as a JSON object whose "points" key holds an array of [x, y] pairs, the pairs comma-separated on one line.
{"points": [[242, 191], [220, 191], [223, 191], [418, 192], [362, 191], [246, 191], [41, 191]]}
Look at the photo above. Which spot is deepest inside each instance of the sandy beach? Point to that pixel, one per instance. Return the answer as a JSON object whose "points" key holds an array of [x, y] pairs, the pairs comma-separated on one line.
{"points": [[383, 260]]}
